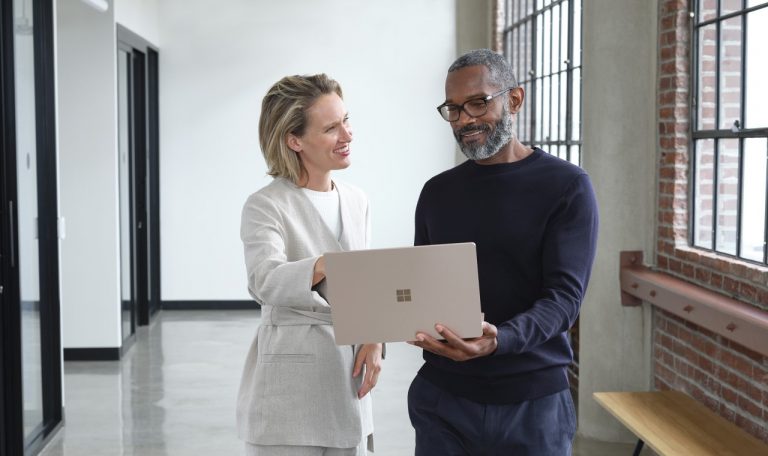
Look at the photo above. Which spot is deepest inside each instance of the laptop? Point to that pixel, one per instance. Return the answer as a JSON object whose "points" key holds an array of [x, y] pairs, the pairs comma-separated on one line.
{"points": [[387, 295]]}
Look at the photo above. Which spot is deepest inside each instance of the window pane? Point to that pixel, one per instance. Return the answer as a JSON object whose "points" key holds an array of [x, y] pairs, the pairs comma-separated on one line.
{"points": [[546, 51], [556, 56], [546, 100], [753, 198], [707, 9], [757, 69], [576, 106], [27, 212], [576, 155], [564, 36], [527, 113], [751, 3], [729, 6], [730, 72], [527, 68], [702, 193], [529, 6], [563, 105], [727, 195], [707, 77], [576, 32], [537, 104], [539, 45]]}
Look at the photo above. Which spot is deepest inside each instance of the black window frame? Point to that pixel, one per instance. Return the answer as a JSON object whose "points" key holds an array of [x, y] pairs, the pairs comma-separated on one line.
{"points": [[737, 132], [521, 16]]}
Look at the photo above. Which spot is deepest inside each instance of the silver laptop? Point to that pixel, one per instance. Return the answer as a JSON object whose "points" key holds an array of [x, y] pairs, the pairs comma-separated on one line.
{"points": [[387, 295]]}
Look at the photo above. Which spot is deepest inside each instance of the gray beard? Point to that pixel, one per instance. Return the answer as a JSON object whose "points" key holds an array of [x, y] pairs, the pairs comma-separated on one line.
{"points": [[500, 137]]}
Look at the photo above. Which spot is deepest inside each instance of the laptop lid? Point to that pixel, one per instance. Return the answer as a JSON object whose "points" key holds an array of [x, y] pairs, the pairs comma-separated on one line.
{"points": [[387, 295]]}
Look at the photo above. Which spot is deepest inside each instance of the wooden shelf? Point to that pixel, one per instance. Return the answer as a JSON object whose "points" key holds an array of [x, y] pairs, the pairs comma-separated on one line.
{"points": [[732, 319]]}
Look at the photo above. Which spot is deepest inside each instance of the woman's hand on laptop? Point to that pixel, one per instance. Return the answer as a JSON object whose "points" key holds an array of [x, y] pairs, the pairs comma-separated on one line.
{"points": [[369, 356], [456, 348]]}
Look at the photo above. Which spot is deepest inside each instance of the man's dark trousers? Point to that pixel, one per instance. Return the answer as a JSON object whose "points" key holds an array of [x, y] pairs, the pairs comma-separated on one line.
{"points": [[447, 425]]}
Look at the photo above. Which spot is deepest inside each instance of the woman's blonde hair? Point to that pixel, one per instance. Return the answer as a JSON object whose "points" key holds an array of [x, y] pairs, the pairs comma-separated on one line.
{"points": [[284, 112]]}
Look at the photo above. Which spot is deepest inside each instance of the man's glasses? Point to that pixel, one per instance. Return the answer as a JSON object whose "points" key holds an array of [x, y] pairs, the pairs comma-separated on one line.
{"points": [[475, 107]]}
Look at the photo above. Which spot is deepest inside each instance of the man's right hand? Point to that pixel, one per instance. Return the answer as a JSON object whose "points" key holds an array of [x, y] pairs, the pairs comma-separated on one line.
{"points": [[456, 348]]}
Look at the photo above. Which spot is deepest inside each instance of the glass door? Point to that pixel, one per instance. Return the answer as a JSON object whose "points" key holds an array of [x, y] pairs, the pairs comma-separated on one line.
{"points": [[30, 347], [125, 173], [27, 217]]}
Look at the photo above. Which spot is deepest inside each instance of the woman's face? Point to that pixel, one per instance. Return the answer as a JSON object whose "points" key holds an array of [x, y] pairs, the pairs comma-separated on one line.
{"points": [[324, 146]]}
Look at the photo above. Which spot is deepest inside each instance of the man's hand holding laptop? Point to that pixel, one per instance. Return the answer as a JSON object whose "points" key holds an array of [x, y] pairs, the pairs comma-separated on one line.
{"points": [[456, 348]]}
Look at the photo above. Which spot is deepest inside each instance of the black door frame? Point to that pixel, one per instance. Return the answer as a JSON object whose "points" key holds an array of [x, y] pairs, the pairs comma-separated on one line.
{"points": [[11, 407], [145, 180]]}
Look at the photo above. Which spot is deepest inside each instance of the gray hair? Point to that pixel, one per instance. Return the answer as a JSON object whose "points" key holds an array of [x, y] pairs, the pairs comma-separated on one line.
{"points": [[501, 74]]}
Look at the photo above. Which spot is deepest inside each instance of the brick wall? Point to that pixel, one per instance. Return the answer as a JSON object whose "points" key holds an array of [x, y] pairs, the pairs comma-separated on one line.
{"points": [[728, 378]]}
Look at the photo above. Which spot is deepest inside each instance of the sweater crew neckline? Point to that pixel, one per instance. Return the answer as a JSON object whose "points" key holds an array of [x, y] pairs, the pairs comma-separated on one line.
{"points": [[504, 167]]}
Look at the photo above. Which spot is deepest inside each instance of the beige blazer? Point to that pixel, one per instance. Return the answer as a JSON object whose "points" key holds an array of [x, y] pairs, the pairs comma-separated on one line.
{"points": [[297, 386]]}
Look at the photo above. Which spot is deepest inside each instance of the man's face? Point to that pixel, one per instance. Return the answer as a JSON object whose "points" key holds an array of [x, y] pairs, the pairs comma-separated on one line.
{"points": [[483, 136]]}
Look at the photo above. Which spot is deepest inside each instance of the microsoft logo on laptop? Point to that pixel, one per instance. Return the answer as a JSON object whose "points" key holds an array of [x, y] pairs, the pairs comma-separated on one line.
{"points": [[404, 295]]}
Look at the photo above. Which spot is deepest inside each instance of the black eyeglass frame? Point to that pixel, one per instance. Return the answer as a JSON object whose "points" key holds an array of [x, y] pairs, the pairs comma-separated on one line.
{"points": [[460, 107]]}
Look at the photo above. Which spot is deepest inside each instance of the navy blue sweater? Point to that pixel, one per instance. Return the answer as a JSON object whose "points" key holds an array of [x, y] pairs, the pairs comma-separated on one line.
{"points": [[534, 222]]}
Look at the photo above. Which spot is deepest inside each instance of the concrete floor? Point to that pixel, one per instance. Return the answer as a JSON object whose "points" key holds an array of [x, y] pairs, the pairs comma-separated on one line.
{"points": [[174, 394]]}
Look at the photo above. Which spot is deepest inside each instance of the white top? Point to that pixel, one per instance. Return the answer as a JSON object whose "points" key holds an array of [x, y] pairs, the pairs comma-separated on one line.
{"points": [[327, 204]]}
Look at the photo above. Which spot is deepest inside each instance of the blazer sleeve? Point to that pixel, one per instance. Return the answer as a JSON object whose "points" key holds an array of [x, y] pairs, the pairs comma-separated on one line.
{"points": [[272, 279]]}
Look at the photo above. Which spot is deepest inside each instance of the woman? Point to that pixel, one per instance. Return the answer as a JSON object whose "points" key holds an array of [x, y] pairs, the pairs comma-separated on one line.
{"points": [[301, 394]]}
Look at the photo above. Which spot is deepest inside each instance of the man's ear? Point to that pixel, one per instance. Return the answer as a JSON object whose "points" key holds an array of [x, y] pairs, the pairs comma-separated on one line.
{"points": [[516, 97], [293, 142]]}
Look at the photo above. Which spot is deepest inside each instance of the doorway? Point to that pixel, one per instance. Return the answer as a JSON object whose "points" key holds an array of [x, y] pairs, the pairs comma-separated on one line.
{"points": [[138, 149], [30, 342]]}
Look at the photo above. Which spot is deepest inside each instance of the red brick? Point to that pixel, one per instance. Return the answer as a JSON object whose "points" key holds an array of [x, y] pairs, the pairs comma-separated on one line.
{"points": [[727, 412], [750, 407], [716, 280], [748, 291], [736, 363], [730, 285], [665, 373], [729, 395], [702, 275]]}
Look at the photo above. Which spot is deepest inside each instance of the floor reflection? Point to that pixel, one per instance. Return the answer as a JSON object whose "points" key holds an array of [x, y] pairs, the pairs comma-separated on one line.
{"points": [[174, 394]]}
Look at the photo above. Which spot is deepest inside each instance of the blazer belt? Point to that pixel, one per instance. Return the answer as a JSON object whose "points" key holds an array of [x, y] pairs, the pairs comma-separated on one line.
{"points": [[291, 316]]}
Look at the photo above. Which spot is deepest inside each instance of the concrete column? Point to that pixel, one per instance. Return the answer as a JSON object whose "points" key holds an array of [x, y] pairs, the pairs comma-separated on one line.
{"points": [[619, 133]]}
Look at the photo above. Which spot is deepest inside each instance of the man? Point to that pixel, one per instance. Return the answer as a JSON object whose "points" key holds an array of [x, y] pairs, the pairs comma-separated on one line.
{"points": [[534, 220]]}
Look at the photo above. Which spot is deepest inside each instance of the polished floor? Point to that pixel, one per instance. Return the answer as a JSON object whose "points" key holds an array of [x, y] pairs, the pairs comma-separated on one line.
{"points": [[174, 394]]}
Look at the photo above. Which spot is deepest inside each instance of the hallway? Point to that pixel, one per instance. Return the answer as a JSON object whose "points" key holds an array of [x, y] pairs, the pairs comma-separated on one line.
{"points": [[174, 394]]}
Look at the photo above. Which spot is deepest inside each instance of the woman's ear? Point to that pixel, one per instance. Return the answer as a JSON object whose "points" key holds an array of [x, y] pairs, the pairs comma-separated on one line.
{"points": [[293, 142]]}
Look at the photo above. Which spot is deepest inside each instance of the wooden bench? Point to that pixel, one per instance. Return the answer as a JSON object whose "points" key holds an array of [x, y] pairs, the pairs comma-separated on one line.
{"points": [[674, 424]]}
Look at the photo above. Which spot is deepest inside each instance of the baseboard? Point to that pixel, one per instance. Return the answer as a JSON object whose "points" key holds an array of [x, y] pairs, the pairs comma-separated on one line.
{"points": [[209, 305], [92, 354]]}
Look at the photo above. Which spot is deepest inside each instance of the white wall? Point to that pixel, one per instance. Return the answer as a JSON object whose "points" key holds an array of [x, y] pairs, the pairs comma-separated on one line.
{"points": [[619, 102], [140, 17], [88, 175], [216, 62]]}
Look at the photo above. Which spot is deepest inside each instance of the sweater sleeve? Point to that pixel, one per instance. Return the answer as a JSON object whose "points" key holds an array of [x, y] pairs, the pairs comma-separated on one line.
{"points": [[568, 250], [272, 279]]}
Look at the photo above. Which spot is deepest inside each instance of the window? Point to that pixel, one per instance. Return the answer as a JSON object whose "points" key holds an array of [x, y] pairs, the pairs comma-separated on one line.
{"points": [[730, 128], [542, 41]]}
